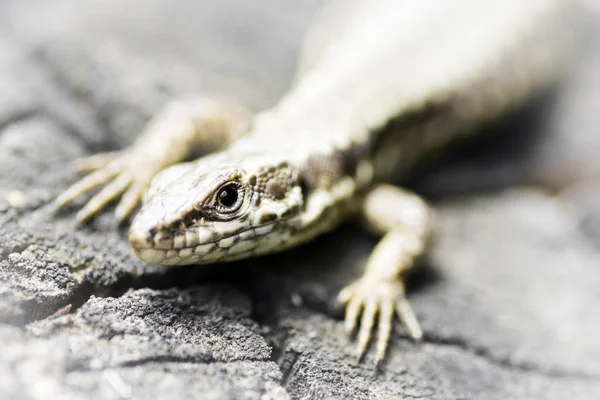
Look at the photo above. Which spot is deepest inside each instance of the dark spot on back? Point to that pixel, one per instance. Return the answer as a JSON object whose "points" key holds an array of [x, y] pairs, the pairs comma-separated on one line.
{"points": [[321, 170], [325, 170]]}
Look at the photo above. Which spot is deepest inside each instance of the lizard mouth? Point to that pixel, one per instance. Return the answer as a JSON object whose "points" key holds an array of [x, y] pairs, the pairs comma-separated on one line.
{"points": [[197, 245]]}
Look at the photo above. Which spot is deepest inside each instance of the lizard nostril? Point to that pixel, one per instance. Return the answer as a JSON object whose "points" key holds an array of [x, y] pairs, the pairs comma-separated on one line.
{"points": [[139, 240]]}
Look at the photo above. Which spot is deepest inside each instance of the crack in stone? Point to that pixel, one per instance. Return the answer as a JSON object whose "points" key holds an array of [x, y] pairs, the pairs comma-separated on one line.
{"points": [[56, 80], [68, 129], [5, 251], [16, 118], [161, 359], [286, 362], [182, 360]]}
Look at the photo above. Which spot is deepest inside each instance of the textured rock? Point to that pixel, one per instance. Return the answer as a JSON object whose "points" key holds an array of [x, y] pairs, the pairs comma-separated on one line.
{"points": [[508, 298], [145, 344]]}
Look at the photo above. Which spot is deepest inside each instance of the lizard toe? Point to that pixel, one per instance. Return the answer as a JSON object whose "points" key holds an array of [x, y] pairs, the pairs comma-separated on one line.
{"points": [[111, 191], [373, 303]]}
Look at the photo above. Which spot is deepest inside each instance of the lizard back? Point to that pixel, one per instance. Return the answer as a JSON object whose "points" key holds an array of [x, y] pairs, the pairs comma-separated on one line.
{"points": [[426, 71]]}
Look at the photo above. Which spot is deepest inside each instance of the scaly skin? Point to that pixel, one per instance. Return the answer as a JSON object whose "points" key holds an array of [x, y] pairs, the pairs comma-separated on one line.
{"points": [[381, 85]]}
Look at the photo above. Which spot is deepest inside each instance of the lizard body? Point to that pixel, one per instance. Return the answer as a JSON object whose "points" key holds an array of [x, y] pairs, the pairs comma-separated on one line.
{"points": [[381, 85]]}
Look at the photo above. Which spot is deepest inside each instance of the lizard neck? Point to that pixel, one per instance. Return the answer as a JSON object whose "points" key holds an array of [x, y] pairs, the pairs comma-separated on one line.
{"points": [[334, 163], [312, 129]]}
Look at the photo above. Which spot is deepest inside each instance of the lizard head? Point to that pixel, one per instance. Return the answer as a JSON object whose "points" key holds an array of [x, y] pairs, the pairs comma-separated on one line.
{"points": [[216, 210]]}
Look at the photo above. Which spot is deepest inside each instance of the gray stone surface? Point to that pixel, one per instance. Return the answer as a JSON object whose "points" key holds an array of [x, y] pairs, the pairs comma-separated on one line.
{"points": [[508, 298], [189, 343]]}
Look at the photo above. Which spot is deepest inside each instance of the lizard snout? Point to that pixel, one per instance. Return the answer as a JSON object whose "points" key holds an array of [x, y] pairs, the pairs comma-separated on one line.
{"points": [[140, 239]]}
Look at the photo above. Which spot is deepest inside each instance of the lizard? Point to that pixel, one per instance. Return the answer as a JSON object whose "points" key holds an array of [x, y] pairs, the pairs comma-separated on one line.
{"points": [[381, 86]]}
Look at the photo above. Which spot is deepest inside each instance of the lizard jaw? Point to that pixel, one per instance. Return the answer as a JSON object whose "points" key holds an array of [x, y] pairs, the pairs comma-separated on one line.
{"points": [[185, 247]]}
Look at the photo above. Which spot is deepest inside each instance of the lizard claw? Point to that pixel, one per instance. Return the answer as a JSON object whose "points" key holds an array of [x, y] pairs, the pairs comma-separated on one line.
{"points": [[377, 298]]}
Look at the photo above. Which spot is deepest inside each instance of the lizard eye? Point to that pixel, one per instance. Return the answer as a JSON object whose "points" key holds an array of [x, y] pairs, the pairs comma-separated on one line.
{"points": [[229, 198]]}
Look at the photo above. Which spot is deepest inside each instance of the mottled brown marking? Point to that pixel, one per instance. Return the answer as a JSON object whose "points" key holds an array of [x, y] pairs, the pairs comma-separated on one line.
{"points": [[252, 180], [354, 154], [267, 217], [275, 189], [321, 170], [325, 170], [290, 211], [275, 182]]}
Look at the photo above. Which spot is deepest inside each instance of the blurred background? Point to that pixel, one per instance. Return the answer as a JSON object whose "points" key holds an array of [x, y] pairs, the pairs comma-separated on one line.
{"points": [[509, 299]]}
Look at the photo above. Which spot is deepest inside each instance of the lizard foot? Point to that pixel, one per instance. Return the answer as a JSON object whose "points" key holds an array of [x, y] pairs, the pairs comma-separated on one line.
{"points": [[168, 139], [124, 177], [377, 298]]}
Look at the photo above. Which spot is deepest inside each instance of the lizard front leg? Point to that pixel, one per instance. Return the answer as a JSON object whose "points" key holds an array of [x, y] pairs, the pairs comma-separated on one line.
{"points": [[405, 222], [169, 138]]}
